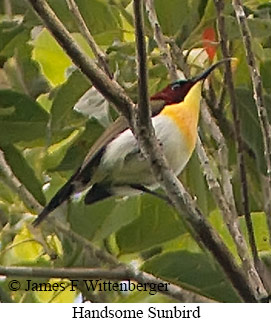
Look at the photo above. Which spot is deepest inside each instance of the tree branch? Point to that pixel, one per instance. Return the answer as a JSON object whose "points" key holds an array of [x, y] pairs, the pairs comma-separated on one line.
{"points": [[98, 53], [144, 113], [229, 215], [222, 156], [160, 40], [259, 100], [229, 79], [179, 58]]}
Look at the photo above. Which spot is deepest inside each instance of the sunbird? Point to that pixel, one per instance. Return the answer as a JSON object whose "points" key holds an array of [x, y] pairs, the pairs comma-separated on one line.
{"points": [[115, 166]]}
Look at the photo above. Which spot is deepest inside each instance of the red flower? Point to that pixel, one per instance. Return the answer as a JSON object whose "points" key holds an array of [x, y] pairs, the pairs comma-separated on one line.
{"points": [[209, 40]]}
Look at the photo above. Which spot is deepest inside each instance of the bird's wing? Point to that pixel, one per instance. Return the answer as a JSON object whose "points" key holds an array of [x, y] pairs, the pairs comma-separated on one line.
{"points": [[156, 106], [108, 135], [84, 174], [114, 130]]}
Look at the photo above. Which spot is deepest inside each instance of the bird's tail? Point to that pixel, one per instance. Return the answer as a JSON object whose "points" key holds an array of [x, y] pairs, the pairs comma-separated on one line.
{"points": [[61, 196], [77, 182]]}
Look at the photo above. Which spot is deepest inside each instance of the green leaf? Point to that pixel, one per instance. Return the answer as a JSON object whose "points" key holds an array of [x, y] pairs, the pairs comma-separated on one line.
{"points": [[21, 119], [62, 11], [67, 96], [193, 271], [208, 15], [51, 57], [24, 73], [56, 152], [250, 126], [101, 219], [86, 220], [218, 223], [24, 172], [242, 74], [157, 223], [259, 28], [259, 226], [6, 196], [195, 181], [8, 31], [78, 151], [16, 43], [178, 11], [265, 74], [259, 222], [102, 18], [18, 7], [122, 214], [144, 297]]}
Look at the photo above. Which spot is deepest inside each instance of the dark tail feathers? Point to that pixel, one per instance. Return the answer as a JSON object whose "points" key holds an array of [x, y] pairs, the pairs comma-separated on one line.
{"points": [[61, 196]]}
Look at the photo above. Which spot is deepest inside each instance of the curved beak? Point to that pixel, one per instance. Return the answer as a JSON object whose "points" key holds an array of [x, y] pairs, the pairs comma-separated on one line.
{"points": [[209, 70]]}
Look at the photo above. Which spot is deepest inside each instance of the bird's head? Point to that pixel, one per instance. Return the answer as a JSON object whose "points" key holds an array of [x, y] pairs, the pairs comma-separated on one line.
{"points": [[177, 91]]}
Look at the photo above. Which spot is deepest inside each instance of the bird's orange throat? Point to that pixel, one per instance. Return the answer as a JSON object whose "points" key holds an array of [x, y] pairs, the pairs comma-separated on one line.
{"points": [[186, 116], [187, 121]]}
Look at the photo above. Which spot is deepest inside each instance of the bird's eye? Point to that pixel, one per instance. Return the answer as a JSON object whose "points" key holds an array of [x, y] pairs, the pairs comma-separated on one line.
{"points": [[175, 86]]}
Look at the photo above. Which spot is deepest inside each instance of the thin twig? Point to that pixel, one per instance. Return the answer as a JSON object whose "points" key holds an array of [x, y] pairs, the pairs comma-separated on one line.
{"points": [[98, 53], [237, 130], [229, 215], [160, 40], [174, 291], [144, 113], [179, 58], [79, 273], [220, 104], [222, 156], [259, 100]]}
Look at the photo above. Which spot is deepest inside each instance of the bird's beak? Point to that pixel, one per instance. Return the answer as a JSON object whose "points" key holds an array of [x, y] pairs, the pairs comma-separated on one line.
{"points": [[209, 70]]}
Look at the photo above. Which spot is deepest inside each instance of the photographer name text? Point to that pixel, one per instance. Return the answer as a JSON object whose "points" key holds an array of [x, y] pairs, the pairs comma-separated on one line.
{"points": [[96, 285]]}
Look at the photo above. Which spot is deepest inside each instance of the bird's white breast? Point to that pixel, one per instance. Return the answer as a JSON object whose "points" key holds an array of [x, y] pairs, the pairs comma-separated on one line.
{"points": [[123, 163]]}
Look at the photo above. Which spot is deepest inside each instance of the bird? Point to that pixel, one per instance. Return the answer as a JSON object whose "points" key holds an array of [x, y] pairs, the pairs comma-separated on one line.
{"points": [[115, 166]]}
